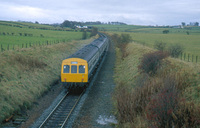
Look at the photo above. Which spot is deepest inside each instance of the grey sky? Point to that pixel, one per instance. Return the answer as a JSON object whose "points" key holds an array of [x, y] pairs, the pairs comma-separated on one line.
{"points": [[138, 12]]}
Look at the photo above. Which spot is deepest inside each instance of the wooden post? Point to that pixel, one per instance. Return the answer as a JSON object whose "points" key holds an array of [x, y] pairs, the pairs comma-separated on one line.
{"points": [[188, 57], [192, 58], [1, 48], [8, 47], [184, 56], [196, 59]]}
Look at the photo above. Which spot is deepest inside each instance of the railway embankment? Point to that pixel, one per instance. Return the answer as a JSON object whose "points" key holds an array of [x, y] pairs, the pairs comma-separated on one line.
{"points": [[166, 96], [27, 74]]}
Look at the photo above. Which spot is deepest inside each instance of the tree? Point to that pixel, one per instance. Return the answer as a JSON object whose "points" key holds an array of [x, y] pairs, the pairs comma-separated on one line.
{"points": [[183, 23], [165, 31], [196, 24], [84, 36], [126, 38], [175, 50], [94, 31]]}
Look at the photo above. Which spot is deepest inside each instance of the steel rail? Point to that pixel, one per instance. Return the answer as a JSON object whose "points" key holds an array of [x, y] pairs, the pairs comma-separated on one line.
{"points": [[71, 107], [53, 110]]}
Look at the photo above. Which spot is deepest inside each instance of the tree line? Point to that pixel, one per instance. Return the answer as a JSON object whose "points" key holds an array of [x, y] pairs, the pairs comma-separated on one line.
{"points": [[73, 24]]}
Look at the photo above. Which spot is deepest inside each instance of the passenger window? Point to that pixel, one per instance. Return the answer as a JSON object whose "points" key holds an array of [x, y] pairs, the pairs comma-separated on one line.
{"points": [[66, 69], [82, 69], [73, 69]]}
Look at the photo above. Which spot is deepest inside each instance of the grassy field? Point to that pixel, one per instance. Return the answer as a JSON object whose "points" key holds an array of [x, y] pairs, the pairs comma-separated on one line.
{"points": [[148, 35], [18, 33], [191, 43]]}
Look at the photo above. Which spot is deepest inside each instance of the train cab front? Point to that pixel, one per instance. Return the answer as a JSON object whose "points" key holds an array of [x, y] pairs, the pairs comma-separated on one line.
{"points": [[74, 73]]}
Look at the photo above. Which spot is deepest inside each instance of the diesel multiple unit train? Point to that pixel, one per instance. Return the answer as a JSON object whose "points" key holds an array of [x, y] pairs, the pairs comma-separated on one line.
{"points": [[78, 69]]}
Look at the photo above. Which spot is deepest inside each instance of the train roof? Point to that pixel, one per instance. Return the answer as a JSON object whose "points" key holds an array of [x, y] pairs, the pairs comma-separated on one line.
{"points": [[89, 50], [85, 53], [98, 42]]}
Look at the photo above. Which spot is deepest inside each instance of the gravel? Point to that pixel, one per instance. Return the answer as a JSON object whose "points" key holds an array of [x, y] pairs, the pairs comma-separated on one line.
{"points": [[96, 112]]}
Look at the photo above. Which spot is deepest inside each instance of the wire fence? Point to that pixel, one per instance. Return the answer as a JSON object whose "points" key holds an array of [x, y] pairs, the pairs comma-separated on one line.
{"points": [[189, 57], [7, 47]]}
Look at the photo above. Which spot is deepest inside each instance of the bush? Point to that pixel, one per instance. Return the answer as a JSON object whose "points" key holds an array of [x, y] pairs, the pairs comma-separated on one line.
{"points": [[175, 50], [165, 31], [160, 46], [94, 31], [121, 41], [84, 35], [162, 104], [151, 62]]}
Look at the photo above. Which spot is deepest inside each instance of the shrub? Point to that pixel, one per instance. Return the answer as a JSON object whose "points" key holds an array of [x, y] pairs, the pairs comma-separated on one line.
{"points": [[163, 104], [175, 50], [121, 41], [124, 100], [165, 31], [94, 31], [151, 62], [160, 46], [84, 35]]}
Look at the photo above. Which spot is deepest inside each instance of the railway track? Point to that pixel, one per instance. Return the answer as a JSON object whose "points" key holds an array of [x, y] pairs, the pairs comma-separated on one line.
{"points": [[61, 113]]}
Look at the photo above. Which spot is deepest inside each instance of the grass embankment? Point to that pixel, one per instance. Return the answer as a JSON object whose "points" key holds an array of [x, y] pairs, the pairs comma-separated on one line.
{"points": [[168, 98], [27, 73]]}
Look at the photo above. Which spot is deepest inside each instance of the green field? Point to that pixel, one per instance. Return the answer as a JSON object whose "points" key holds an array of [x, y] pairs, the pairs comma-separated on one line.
{"points": [[191, 43], [18, 33], [188, 37]]}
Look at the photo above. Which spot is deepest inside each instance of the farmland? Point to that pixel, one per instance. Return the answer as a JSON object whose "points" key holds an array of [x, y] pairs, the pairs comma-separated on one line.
{"points": [[188, 37], [19, 34]]}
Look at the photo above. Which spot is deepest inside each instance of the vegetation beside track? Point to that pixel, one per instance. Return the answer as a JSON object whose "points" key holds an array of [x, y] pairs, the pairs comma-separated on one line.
{"points": [[26, 74], [170, 97]]}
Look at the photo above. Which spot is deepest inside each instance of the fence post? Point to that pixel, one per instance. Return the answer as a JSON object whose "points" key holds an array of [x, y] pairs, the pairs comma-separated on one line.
{"points": [[196, 59], [22, 45], [26, 45], [192, 58], [184, 56], [188, 57], [8, 47], [13, 47], [1, 48], [181, 55]]}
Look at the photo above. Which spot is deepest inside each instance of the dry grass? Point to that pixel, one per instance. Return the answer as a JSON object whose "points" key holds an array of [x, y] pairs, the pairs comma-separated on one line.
{"points": [[169, 98], [26, 74]]}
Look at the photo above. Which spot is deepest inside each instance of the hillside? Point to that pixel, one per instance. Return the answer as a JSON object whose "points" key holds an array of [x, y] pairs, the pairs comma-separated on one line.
{"points": [[169, 98]]}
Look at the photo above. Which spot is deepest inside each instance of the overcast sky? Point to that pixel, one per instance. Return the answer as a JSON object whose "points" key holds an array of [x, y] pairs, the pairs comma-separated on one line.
{"points": [[137, 12]]}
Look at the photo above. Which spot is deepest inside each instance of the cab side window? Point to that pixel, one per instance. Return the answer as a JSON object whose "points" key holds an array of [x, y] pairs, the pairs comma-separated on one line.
{"points": [[66, 69], [81, 68], [73, 69]]}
